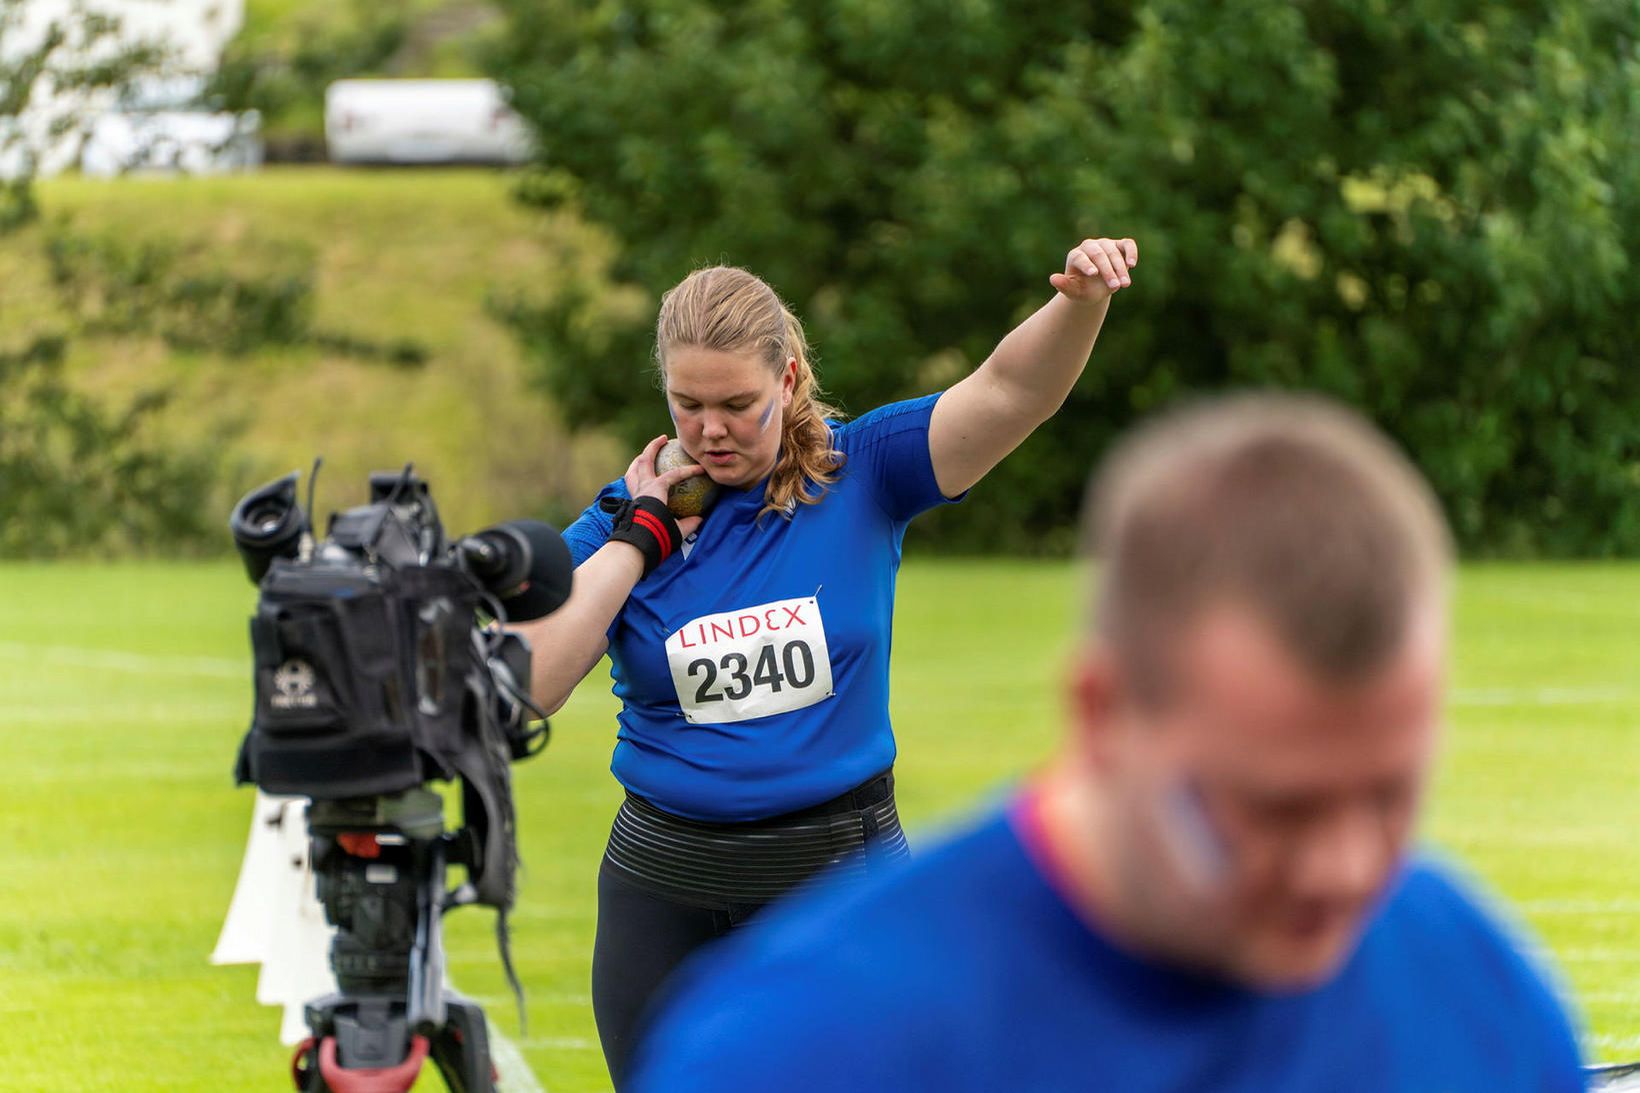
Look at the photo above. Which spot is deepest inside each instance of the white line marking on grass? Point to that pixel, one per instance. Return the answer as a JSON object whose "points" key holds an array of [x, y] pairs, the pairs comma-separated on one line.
{"points": [[562, 1043], [556, 998], [1616, 906], [129, 711], [1539, 696], [120, 661], [567, 999], [515, 1073], [1597, 955], [1627, 999]]}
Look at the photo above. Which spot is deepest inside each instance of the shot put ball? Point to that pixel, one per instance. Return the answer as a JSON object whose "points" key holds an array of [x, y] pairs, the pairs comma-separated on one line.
{"points": [[692, 496]]}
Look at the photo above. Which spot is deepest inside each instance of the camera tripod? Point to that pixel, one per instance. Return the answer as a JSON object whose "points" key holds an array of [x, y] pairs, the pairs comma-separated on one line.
{"points": [[380, 865]]}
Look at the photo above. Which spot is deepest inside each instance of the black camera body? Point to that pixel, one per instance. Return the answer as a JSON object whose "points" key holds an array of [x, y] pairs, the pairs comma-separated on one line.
{"points": [[366, 675], [377, 672]]}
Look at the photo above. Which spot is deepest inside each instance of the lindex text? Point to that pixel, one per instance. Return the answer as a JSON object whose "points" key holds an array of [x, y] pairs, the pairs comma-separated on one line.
{"points": [[732, 625]]}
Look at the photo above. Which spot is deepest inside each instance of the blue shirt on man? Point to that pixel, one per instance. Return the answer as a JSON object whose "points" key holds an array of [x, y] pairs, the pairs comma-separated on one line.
{"points": [[753, 669], [964, 969]]}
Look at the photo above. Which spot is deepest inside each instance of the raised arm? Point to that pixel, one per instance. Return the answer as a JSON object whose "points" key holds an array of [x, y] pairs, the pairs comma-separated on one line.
{"points": [[1026, 378], [565, 645]]}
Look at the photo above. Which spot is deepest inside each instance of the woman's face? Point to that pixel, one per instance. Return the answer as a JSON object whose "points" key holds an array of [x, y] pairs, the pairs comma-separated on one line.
{"points": [[728, 409]]}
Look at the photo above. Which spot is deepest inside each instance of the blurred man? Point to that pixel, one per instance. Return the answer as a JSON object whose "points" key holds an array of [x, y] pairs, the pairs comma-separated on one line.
{"points": [[1209, 887]]}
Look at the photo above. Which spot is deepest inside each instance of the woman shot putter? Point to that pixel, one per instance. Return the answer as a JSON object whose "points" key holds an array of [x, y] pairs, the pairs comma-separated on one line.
{"points": [[750, 647]]}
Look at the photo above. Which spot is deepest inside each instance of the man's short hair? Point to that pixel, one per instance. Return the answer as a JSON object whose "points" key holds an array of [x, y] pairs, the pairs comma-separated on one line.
{"points": [[1289, 505]]}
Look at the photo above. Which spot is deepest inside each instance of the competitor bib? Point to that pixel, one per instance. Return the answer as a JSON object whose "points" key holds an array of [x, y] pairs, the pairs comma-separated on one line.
{"points": [[757, 661]]}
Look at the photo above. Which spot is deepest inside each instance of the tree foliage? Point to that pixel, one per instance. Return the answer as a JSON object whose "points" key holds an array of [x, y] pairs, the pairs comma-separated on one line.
{"points": [[290, 51], [1426, 209], [75, 476], [78, 475], [51, 72], [281, 67], [78, 478]]}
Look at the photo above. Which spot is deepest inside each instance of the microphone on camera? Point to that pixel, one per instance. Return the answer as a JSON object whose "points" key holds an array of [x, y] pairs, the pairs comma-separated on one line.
{"points": [[524, 563]]}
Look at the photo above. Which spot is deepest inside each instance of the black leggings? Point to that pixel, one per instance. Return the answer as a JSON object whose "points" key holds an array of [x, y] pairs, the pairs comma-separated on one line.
{"points": [[648, 923], [642, 938]]}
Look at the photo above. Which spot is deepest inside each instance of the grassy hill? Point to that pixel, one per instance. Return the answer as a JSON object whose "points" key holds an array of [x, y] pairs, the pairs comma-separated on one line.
{"points": [[394, 258]]}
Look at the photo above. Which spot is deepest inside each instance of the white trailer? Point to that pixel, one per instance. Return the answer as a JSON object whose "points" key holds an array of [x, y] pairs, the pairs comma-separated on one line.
{"points": [[423, 121]]}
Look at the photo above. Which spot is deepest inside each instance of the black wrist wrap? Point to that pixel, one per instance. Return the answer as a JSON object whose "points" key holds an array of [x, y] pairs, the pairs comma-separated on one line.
{"points": [[648, 525]]}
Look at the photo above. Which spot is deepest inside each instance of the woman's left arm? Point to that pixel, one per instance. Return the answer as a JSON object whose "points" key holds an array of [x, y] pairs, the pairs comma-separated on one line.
{"points": [[1026, 378]]}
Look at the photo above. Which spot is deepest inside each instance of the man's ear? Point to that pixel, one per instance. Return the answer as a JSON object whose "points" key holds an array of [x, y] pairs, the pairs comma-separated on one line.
{"points": [[1096, 699]]}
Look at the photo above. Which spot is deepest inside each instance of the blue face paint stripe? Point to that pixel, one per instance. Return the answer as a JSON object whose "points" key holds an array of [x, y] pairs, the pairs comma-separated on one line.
{"points": [[1200, 846], [768, 415]]}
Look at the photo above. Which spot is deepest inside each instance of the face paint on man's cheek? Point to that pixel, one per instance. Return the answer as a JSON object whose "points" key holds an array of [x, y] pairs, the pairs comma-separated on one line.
{"points": [[767, 416], [1196, 844]]}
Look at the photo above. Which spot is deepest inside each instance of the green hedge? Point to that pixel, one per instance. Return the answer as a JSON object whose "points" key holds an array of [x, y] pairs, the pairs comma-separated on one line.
{"points": [[1424, 208]]}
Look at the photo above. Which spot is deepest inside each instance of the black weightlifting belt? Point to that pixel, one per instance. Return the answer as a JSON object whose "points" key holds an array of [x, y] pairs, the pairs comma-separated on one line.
{"points": [[753, 863]]}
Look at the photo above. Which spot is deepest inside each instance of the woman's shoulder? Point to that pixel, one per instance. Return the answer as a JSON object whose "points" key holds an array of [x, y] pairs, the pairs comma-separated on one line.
{"points": [[889, 419]]}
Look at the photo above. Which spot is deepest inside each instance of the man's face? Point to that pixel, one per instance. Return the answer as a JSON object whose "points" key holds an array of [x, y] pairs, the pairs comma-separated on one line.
{"points": [[1262, 811]]}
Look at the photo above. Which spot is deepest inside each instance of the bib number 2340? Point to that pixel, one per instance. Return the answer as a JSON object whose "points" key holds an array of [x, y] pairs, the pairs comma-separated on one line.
{"points": [[757, 661]]}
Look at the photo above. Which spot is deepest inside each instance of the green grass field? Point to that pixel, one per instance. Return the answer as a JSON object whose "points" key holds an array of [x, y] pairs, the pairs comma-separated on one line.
{"points": [[124, 691]]}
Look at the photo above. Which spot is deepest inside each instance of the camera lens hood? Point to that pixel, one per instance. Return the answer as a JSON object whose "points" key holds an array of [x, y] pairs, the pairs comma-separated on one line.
{"points": [[525, 564]]}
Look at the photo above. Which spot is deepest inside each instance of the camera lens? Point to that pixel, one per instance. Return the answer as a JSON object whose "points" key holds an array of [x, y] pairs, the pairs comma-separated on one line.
{"points": [[267, 524]]}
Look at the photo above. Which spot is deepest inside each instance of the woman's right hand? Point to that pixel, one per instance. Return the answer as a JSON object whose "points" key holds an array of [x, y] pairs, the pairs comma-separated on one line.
{"points": [[642, 481]]}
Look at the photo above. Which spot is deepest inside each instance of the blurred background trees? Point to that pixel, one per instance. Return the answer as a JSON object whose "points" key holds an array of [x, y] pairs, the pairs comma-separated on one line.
{"points": [[1425, 208], [168, 342], [76, 474], [289, 51]]}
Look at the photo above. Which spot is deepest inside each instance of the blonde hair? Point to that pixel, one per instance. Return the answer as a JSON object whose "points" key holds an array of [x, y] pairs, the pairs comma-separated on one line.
{"points": [[1289, 505], [729, 310]]}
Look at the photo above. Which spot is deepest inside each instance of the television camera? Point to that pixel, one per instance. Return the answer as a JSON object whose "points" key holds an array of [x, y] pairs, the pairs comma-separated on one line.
{"points": [[382, 665]]}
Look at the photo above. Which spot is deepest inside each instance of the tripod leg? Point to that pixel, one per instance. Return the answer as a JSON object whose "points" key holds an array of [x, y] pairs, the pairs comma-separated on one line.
{"points": [[304, 1068], [359, 1044], [387, 1079], [462, 1048]]}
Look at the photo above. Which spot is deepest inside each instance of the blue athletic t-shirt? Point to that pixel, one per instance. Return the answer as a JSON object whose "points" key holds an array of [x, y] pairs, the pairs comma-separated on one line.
{"points": [[753, 669], [963, 969]]}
